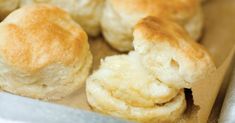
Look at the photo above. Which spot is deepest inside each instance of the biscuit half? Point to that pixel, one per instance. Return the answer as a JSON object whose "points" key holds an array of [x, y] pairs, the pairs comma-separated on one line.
{"points": [[170, 53], [122, 87]]}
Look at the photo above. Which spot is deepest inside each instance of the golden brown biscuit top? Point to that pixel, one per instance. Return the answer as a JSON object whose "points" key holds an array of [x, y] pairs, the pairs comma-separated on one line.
{"points": [[178, 10], [157, 30], [35, 36]]}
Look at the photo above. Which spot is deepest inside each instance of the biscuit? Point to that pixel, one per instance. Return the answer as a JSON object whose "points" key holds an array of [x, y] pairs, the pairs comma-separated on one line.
{"points": [[44, 54], [122, 87], [86, 12], [120, 16], [170, 53]]}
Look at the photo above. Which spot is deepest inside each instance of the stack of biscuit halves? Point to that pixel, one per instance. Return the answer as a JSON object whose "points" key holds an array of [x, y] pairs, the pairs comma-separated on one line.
{"points": [[45, 54]]}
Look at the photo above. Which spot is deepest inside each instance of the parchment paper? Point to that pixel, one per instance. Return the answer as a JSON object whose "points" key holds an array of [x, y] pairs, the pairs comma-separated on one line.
{"points": [[218, 38]]}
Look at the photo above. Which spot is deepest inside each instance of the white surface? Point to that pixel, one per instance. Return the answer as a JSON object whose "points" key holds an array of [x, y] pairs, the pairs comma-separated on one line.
{"points": [[10, 121], [16, 109], [228, 110]]}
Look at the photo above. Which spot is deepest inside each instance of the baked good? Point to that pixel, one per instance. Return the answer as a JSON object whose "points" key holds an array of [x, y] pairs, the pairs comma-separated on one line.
{"points": [[7, 6], [122, 87], [120, 16], [44, 54], [147, 84], [86, 12], [170, 53]]}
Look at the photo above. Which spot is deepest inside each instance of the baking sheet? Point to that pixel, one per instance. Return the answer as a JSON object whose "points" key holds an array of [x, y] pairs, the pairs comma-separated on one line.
{"points": [[18, 109], [218, 38], [228, 110]]}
